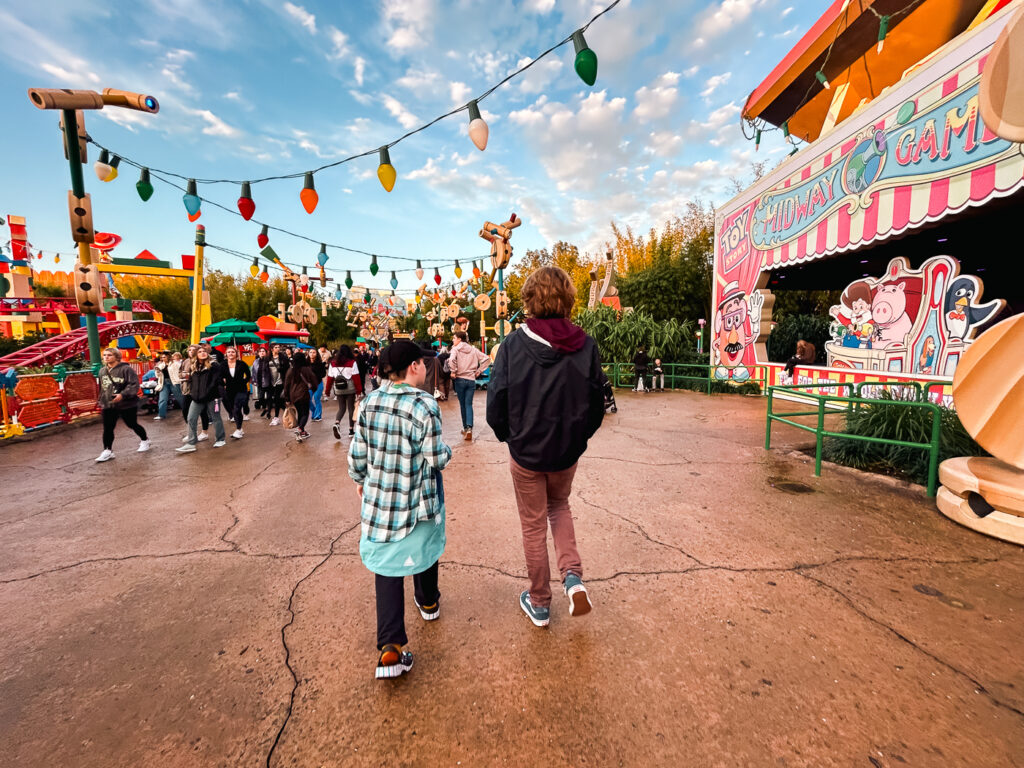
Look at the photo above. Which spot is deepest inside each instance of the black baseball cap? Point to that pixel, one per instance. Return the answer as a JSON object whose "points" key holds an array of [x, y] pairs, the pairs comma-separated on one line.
{"points": [[398, 356]]}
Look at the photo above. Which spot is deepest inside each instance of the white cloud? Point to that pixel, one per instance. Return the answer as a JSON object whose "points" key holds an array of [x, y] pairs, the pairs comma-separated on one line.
{"points": [[664, 143], [719, 20], [339, 43], [459, 92], [363, 98], [359, 69], [537, 78], [398, 111], [302, 16], [214, 125], [70, 77], [691, 71], [233, 96], [178, 55], [786, 12], [656, 100], [491, 65], [418, 80], [127, 118], [713, 83], [538, 6], [408, 23]]}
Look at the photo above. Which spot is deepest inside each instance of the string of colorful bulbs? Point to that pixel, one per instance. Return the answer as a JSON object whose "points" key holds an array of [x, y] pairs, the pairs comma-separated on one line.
{"points": [[107, 165]]}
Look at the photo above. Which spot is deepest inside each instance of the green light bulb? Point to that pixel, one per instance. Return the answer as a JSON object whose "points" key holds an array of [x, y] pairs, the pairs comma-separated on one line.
{"points": [[144, 186], [586, 59]]}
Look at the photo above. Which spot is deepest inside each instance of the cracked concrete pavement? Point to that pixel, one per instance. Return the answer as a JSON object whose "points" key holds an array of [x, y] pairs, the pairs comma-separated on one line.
{"points": [[211, 609]]}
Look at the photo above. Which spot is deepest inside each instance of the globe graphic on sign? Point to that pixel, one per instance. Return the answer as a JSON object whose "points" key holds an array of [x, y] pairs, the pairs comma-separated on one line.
{"points": [[864, 163]]}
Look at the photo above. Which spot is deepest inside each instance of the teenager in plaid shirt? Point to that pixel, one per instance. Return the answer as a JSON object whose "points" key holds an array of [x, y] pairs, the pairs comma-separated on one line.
{"points": [[395, 458]]}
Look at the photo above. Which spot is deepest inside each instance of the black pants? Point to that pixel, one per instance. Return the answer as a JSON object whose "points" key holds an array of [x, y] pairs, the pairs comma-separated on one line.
{"points": [[302, 409], [272, 399], [130, 417], [792, 363], [347, 402], [187, 401], [391, 603], [238, 407]]}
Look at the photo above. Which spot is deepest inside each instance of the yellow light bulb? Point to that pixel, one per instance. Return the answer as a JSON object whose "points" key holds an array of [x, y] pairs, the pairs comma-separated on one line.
{"points": [[385, 171]]}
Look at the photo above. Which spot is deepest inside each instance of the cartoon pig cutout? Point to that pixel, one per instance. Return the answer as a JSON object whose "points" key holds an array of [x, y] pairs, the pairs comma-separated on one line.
{"points": [[889, 311]]}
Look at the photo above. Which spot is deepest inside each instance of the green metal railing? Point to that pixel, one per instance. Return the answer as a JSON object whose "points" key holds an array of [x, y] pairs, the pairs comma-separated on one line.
{"points": [[676, 374], [847, 405]]}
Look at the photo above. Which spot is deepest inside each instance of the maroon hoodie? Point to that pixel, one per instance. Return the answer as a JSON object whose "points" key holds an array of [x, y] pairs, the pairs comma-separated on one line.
{"points": [[558, 332]]}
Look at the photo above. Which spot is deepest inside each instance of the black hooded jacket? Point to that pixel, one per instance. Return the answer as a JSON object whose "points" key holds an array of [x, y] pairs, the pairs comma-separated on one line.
{"points": [[544, 403]]}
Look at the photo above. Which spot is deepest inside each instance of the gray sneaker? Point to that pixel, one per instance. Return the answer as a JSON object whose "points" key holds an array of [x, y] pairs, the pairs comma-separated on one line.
{"points": [[539, 616], [579, 601]]}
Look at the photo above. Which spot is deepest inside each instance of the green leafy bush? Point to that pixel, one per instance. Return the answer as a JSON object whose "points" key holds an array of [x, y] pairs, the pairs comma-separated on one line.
{"points": [[888, 419], [618, 339]]}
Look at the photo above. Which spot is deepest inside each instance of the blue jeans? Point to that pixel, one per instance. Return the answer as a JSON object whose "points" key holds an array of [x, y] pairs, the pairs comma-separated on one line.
{"points": [[163, 400], [212, 410], [316, 401], [464, 389]]}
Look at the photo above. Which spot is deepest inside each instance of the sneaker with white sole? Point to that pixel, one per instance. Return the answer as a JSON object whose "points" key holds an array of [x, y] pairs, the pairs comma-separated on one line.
{"points": [[539, 616], [392, 662], [107, 455], [579, 600], [429, 612], [143, 446], [185, 439], [337, 431], [158, 418], [275, 421], [245, 417], [202, 436], [186, 448], [219, 444], [238, 434]]}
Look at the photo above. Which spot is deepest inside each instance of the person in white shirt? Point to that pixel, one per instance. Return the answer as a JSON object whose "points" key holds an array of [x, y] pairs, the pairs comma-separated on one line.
{"points": [[343, 379]]}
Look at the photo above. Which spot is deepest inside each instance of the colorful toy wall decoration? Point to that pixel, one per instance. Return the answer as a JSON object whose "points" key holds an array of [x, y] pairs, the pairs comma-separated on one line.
{"points": [[909, 321]]}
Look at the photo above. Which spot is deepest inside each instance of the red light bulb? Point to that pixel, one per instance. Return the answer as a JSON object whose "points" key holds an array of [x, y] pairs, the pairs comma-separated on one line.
{"points": [[263, 238], [246, 206]]}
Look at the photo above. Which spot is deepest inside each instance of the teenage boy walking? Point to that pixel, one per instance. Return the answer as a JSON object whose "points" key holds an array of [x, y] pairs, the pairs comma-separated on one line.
{"points": [[546, 400], [119, 399], [395, 459]]}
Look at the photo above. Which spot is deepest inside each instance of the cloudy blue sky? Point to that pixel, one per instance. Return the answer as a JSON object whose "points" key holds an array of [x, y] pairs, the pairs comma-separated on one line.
{"points": [[256, 88]]}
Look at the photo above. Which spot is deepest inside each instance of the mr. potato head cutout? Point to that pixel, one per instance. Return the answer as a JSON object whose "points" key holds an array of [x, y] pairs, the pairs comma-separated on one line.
{"points": [[733, 333]]}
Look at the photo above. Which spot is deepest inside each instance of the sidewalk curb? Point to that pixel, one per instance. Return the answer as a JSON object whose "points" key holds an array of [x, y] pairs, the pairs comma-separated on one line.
{"points": [[893, 482]]}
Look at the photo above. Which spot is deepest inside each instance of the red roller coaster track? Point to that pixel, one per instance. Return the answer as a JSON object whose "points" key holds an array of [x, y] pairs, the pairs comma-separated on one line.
{"points": [[57, 348], [67, 306]]}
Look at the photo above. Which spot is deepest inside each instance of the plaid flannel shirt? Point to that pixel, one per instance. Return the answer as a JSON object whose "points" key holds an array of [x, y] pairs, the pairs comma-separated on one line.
{"points": [[397, 456]]}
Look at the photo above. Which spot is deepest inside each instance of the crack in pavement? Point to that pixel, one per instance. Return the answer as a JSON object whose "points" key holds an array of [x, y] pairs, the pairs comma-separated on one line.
{"points": [[979, 688], [287, 648]]}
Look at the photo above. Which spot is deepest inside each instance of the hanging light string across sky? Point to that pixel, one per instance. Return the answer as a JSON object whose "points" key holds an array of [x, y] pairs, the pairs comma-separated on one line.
{"points": [[107, 166]]}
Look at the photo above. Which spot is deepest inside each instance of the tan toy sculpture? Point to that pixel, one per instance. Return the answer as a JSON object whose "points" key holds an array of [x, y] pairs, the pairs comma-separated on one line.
{"points": [[987, 493], [1001, 97]]}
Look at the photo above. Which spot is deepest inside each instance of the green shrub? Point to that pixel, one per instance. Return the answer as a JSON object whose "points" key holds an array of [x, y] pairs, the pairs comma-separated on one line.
{"points": [[618, 339], [888, 419]]}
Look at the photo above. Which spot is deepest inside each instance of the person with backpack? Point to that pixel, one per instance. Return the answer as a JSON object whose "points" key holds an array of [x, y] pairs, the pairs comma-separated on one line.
{"points": [[236, 388], [205, 382], [545, 400], [466, 363], [343, 379], [119, 399], [319, 368], [395, 459], [299, 382]]}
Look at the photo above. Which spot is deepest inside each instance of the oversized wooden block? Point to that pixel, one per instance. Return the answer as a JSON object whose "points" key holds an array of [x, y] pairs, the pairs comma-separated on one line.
{"points": [[999, 484]]}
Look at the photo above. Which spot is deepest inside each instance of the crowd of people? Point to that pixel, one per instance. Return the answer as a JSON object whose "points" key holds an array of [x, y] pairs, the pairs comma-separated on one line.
{"points": [[545, 400], [210, 386]]}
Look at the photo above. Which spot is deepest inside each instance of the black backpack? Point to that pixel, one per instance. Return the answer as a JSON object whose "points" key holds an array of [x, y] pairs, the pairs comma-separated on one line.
{"points": [[343, 386]]}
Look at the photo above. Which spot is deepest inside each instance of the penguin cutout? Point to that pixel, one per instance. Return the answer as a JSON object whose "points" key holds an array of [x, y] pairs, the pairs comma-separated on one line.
{"points": [[960, 312]]}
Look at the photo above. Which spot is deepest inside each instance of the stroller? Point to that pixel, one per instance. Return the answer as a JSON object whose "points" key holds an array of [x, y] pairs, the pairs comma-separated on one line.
{"points": [[609, 395]]}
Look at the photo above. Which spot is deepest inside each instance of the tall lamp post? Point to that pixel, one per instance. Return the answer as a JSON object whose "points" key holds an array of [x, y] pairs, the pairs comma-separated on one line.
{"points": [[72, 104]]}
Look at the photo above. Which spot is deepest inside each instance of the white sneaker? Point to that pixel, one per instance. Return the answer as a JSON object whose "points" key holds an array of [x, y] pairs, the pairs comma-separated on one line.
{"points": [[186, 448], [184, 439], [245, 417], [143, 446], [107, 455], [238, 434], [158, 418], [202, 436], [275, 421], [219, 444]]}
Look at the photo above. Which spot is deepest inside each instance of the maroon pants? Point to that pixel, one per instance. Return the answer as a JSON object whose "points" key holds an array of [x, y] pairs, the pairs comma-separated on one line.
{"points": [[543, 498]]}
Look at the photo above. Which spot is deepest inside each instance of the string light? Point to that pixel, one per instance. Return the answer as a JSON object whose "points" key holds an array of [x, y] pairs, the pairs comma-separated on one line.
{"points": [[114, 162], [263, 237], [308, 195], [458, 270], [437, 276], [476, 271], [883, 30], [419, 270], [321, 258], [254, 270], [478, 130], [102, 166], [192, 201], [374, 268], [822, 79], [144, 186], [348, 279], [264, 275], [246, 206], [385, 171], [394, 281], [586, 59], [757, 140]]}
